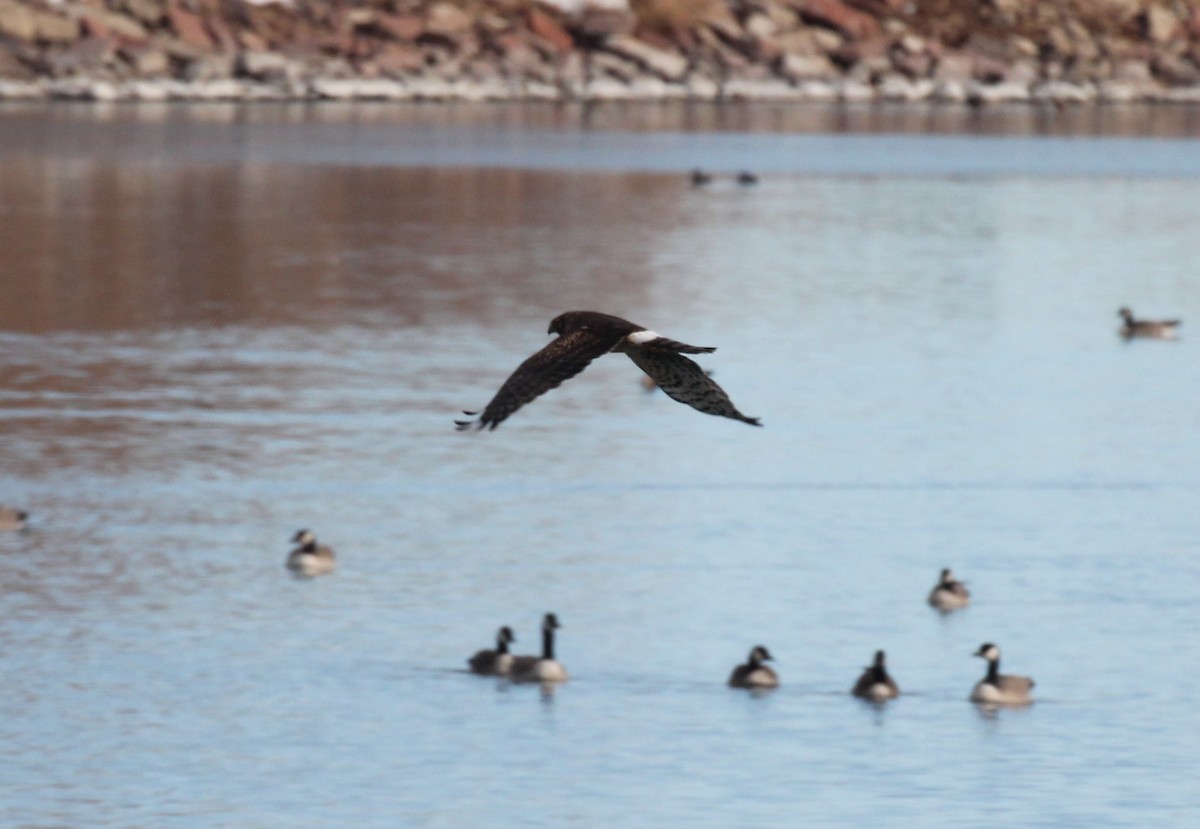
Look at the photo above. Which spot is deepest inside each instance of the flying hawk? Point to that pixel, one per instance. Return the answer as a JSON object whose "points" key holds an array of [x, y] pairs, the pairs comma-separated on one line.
{"points": [[585, 335]]}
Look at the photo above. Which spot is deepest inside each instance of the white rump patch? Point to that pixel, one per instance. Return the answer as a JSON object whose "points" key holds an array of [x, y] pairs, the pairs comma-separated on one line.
{"points": [[639, 337], [549, 670], [986, 692], [878, 691]]}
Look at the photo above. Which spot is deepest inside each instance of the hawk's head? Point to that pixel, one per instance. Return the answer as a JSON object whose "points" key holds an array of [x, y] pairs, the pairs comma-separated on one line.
{"points": [[569, 322], [566, 323]]}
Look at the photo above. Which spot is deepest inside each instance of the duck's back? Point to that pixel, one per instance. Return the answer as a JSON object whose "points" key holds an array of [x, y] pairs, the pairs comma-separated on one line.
{"points": [[1007, 689], [753, 676]]}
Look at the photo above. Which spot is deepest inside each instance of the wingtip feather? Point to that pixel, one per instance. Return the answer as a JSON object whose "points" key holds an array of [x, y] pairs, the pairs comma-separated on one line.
{"points": [[464, 425]]}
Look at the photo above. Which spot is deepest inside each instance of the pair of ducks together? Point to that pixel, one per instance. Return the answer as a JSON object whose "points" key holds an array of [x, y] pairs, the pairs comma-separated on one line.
{"points": [[500, 662], [700, 178], [876, 685]]}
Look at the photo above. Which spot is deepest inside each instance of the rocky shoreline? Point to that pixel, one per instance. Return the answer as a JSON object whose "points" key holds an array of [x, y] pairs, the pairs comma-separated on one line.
{"points": [[976, 52]]}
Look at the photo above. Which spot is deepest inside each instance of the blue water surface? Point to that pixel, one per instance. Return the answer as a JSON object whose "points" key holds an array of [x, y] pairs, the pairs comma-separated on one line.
{"points": [[218, 330]]}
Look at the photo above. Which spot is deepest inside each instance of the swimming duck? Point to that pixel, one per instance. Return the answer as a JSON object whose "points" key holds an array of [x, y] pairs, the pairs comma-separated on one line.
{"points": [[310, 558], [544, 668], [875, 684], [496, 662], [949, 594], [754, 674], [997, 688], [1150, 329]]}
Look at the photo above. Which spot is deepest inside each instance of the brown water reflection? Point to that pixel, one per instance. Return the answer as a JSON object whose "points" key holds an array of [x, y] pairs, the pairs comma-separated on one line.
{"points": [[149, 217], [101, 246]]}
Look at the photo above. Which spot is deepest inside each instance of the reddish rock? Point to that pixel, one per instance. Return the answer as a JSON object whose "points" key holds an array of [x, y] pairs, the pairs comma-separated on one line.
{"points": [[177, 50], [188, 27], [519, 58], [806, 67], [510, 42], [1158, 24], [54, 29], [1176, 71], [873, 50], [149, 12], [405, 27], [447, 21], [668, 65], [90, 56], [359, 18], [354, 45], [221, 33], [880, 8], [251, 41], [274, 22], [1192, 25], [987, 46], [396, 60], [147, 61], [724, 26], [769, 52], [953, 67], [800, 43], [1132, 71], [835, 14], [913, 64], [549, 30], [594, 24], [104, 24], [659, 41], [17, 21], [204, 68], [719, 54], [13, 68]]}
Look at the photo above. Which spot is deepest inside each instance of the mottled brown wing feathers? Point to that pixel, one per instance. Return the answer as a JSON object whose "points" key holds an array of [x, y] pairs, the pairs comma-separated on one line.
{"points": [[560, 360], [683, 380]]}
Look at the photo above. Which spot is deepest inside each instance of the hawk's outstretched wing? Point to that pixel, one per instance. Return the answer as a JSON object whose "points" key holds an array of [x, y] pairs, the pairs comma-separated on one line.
{"points": [[560, 360], [683, 380]]}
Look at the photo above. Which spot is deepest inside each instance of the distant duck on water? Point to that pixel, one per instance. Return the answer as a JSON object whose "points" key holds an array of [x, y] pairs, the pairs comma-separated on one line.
{"points": [[496, 662], [1149, 329], [1000, 689], [700, 178], [753, 673], [13, 519], [949, 594], [746, 178], [544, 668], [876, 684], [310, 558]]}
